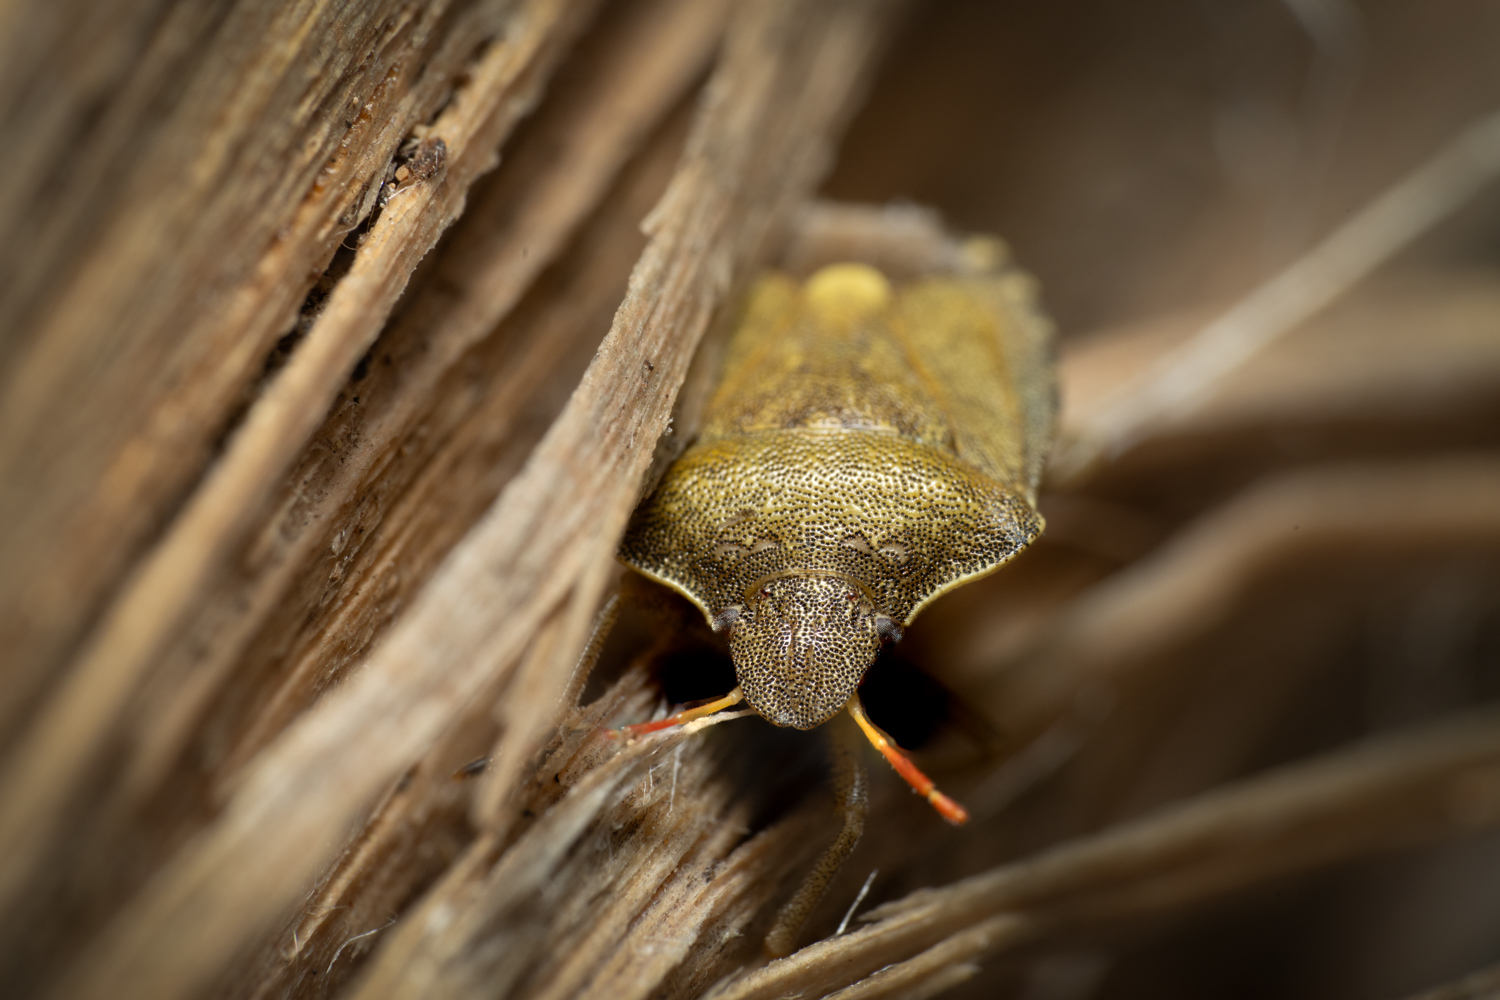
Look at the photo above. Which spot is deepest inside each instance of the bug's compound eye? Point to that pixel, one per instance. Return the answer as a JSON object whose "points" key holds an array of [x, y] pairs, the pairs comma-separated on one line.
{"points": [[724, 620]]}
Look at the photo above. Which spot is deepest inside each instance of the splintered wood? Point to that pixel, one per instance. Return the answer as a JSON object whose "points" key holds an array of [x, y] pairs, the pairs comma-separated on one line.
{"points": [[337, 347]]}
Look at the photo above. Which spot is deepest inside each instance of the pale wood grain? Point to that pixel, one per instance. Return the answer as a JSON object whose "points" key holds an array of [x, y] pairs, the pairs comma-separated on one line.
{"points": [[1434, 783], [548, 535]]}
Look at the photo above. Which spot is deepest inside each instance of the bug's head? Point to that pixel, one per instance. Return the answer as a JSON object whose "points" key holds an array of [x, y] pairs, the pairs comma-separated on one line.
{"points": [[801, 644]]}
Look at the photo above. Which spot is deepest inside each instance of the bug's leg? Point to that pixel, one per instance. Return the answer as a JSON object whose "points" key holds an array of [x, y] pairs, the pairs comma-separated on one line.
{"points": [[604, 624], [920, 783], [687, 715], [851, 791]]}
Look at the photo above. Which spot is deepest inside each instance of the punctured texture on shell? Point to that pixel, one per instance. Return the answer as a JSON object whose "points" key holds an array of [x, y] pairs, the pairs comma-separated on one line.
{"points": [[867, 449]]}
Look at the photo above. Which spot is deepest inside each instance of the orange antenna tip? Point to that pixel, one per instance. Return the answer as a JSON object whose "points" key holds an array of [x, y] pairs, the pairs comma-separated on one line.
{"points": [[642, 728], [947, 808]]}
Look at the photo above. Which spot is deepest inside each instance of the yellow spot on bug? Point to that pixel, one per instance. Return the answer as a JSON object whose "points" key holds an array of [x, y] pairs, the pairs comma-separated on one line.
{"points": [[847, 292]]}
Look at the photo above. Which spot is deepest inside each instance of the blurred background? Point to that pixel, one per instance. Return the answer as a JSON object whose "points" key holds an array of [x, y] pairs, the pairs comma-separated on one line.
{"points": [[1168, 155], [1152, 163]]}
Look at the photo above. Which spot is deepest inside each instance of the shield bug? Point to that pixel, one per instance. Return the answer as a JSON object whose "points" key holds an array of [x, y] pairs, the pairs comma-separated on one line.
{"points": [[867, 449]]}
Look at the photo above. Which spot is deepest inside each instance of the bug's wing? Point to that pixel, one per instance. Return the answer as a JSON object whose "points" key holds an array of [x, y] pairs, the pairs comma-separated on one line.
{"points": [[822, 358], [984, 350], [765, 315]]}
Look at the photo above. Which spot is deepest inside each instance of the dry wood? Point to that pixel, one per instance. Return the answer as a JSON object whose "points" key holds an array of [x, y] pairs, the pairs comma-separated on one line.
{"points": [[1482, 985], [392, 441], [141, 306], [748, 163], [375, 501], [417, 832], [1414, 787], [576, 905], [1359, 364], [67, 734], [1188, 376]]}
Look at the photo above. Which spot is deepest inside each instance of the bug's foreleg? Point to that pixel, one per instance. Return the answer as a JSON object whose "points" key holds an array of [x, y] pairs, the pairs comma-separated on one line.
{"points": [[604, 624], [851, 792]]}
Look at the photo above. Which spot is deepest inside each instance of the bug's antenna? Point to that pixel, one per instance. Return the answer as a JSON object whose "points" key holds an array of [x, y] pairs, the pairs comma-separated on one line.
{"points": [[920, 783], [687, 715]]}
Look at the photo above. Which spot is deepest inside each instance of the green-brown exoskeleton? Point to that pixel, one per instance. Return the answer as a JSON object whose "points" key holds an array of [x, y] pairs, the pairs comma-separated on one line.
{"points": [[867, 449]]}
